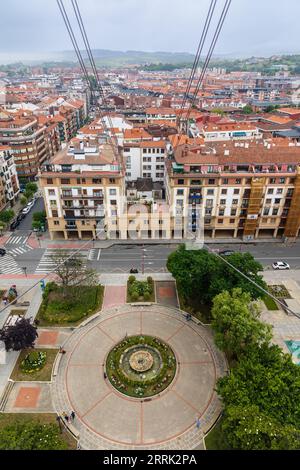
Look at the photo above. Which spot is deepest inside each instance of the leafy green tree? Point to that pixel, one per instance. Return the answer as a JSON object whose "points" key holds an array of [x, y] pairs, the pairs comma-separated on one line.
{"points": [[31, 187], [21, 335], [7, 216], [247, 109], [31, 436], [247, 428], [201, 275], [236, 323], [23, 200], [267, 378], [39, 220]]}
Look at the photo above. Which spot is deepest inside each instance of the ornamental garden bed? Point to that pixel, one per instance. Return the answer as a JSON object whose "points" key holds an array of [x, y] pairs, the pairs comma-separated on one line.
{"points": [[41, 430], [140, 291], [70, 306], [34, 365], [141, 366], [279, 291], [270, 303]]}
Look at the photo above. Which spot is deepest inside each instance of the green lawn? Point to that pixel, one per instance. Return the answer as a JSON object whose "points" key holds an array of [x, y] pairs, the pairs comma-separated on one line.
{"points": [[80, 302], [41, 375], [270, 303], [8, 419], [215, 439]]}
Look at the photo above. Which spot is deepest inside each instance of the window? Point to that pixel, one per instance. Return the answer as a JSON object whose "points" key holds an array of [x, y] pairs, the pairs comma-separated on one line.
{"points": [[277, 201], [53, 202], [56, 222], [233, 212], [113, 202], [236, 191], [210, 192], [49, 181], [223, 202], [238, 181], [275, 212], [220, 221], [225, 181], [65, 181], [279, 191], [208, 211], [270, 191], [180, 192], [207, 221], [224, 191], [54, 213], [180, 182], [112, 192], [209, 202], [268, 201], [266, 211], [211, 181], [196, 182], [112, 180], [281, 180], [221, 212], [51, 192], [232, 221], [97, 180], [272, 180], [235, 202]]}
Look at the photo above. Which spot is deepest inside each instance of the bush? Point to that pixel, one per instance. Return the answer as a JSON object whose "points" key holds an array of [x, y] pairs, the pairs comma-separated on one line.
{"points": [[33, 362], [31, 436], [134, 296], [147, 296], [131, 279]]}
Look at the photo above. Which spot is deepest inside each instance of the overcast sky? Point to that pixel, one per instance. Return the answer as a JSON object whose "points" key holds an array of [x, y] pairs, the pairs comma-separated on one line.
{"points": [[253, 27]]}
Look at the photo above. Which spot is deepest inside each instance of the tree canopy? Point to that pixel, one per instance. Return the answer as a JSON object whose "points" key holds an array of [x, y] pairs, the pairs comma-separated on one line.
{"points": [[201, 275], [236, 322], [21, 335], [7, 216]]}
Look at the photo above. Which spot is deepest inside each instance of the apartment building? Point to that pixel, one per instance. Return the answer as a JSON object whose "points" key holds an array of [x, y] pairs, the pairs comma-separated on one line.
{"points": [[31, 142], [214, 132], [245, 189], [84, 191], [9, 183], [145, 159]]}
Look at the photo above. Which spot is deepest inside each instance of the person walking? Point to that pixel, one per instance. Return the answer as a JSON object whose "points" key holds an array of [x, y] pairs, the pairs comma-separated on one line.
{"points": [[198, 423], [72, 415], [66, 416]]}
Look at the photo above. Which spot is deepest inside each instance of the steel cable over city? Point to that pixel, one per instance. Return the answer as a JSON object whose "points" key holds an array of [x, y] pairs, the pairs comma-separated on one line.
{"points": [[113, 142]]}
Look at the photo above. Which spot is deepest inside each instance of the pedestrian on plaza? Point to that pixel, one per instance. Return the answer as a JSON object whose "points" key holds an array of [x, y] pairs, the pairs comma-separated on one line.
{"points": [[105, 376], [58, 419], [66, 416], [198, 423], [5, 300], [72, 415]]}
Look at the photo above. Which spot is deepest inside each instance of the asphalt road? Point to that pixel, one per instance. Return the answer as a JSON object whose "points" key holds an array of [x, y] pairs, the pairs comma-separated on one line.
{"points": [[26, 224], [153, 258]]}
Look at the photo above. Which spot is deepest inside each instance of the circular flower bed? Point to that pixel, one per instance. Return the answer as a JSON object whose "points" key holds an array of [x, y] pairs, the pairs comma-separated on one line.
{"points": [[141, 366], [33, 362]]}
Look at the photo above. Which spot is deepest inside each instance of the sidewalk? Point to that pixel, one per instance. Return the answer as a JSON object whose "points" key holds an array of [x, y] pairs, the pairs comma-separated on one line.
{"points": [[87, 244]]}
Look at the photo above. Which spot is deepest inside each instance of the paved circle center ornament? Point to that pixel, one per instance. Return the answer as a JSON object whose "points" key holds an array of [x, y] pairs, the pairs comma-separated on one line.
{"points": [[141, 361], [141, 366]]}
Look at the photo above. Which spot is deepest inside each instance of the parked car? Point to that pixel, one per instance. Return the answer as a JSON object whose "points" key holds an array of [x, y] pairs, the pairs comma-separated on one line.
{"points": [[21, 216], [14, 224], [280, 265], [134, 271], [26, 209], [226, 253], [2, 252]]}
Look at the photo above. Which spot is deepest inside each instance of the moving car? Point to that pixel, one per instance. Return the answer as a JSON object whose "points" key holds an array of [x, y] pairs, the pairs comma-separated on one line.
{"points": [[2, 252], [280, 265], [226, 253]]}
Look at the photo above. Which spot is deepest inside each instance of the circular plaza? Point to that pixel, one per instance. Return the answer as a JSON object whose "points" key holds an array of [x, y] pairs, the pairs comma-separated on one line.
{"points": [[139, 378]]}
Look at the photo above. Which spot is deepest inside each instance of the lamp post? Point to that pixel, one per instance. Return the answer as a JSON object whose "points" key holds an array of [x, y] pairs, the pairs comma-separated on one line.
{"points": [[25, 270]]}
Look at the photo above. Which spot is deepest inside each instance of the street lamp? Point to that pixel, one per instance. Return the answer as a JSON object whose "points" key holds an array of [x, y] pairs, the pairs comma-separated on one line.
{"points": [[38, 236]]}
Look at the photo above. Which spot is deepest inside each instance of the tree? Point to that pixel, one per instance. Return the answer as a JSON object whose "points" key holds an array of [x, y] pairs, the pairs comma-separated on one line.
{"points": [[72, 271], [201, 275], [23, 200], [247, 109], [7, 216], [267, 378], [247, 428], [31, 187], [31, 436], [236, 323], [21, 335], [39, 220]]}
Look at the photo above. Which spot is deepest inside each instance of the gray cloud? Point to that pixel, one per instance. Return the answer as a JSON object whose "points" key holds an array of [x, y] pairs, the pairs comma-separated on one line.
{"points": [[257, 27]]}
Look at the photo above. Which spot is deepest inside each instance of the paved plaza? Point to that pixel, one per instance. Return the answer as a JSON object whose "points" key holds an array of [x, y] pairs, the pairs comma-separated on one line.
{"points": [[107, 419]]}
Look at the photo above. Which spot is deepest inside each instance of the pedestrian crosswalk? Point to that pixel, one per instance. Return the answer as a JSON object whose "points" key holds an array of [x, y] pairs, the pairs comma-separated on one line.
{"points": [[94, 254], [48, 264], [8, 265], [17, 240], [21, 250]]}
